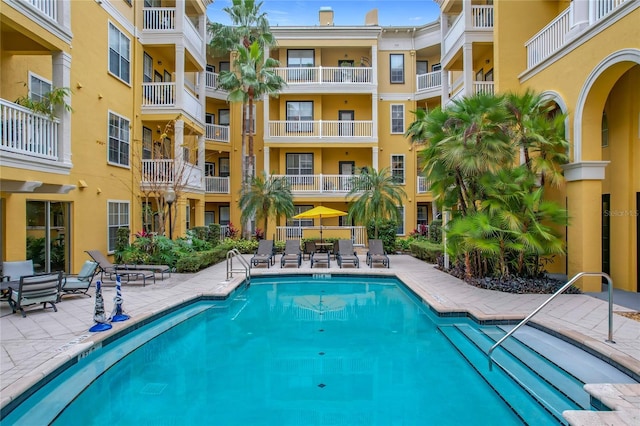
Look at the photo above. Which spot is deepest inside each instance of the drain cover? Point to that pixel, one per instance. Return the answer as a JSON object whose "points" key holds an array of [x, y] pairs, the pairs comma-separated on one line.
{"points": [[153, 388], [321, 385]]}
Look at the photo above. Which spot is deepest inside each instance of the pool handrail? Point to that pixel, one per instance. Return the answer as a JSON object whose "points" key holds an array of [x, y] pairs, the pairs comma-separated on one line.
{"points": [[553, 296], [246, 266]]}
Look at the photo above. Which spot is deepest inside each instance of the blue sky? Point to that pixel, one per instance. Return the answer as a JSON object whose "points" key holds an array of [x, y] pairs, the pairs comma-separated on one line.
{"points": [[346, 12]]}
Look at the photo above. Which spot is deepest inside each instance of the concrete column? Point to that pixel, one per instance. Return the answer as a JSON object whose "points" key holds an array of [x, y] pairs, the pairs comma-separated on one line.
{"points": [[468, 17], [201, 161], [64, 13], [467, 64], [374, 157], [180, 14], [61, 70], [444, 96], [374, 64], [266, 159], [374, 115], [179, 83], [579, 17], [178, 132], [202, 93]]}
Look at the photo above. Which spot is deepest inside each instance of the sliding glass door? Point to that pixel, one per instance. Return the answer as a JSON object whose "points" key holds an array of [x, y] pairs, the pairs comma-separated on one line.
{"points": [[48, 239]]}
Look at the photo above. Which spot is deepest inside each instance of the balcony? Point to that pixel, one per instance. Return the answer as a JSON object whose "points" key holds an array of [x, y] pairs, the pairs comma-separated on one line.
{"points": [[211, 84], [483, 87], [327, 79], [319, 130], [162, 25], [555, 35], [158, 98], [429, 84], [423, 185], [26, 133], [217, 133], [326, 185], [216, 185], [157, 174], [475, 25], [52, 15]]}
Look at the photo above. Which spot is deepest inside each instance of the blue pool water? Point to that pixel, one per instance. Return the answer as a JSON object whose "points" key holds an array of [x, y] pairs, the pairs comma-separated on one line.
{"points": [[287, 351]]}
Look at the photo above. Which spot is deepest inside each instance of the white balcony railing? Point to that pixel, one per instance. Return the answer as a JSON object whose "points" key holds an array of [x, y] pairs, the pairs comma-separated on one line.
{"points": [[24, 132], [321, 129], [453, 34], [358, 233], [216, 185], [482, 16], [158, 94], [191, 33], [483, 87], [168, 171], [159, 18], [47, 7], [320, 184], [430, 80], [601, 8], [320, 75], [192, 104], [549, 39], [216, 132], [423, 185]]}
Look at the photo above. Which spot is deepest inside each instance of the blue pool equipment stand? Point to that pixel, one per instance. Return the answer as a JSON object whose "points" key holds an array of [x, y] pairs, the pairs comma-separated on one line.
{"points": [[98, 313], [118, 315]]}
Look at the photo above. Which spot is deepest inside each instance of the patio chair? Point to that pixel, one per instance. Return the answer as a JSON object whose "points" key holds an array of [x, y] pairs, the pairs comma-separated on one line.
{"points": [[264, 254], [79, 284], [128, 272], [34, 289], [309, 249], [12, 271], [347, 254], [321, 257], [376, 254], [292, 253]]}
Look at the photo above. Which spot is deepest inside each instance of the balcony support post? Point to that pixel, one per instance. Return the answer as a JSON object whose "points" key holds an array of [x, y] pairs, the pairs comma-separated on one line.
{"points": [[374, 158], [266, 159], [445, 87], [201, 160], [180, 9], [467, 64], [579, 18], [179, 86], [374, 114], [178, 132], [61, 72]]}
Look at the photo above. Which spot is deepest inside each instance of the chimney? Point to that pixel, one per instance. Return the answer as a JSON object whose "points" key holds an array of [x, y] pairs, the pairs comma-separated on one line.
{"points": [[371, 18], [326, 16]]}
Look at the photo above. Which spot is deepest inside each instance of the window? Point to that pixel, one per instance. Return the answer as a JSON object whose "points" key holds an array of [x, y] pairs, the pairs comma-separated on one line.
{"points": [[298, 58], [400, 230], [147, 69], [224, 166], [147, 143], [119, 53], [436, 67], [397, 118], [422, 67], [489, 75], [423, 216], [167, 76], [186, 154], [211, 68], [396, 62], [223, 117], [118, 140], [397, 168], [210, 118], [225, 215], [209, 218], [300, 111], [187, 217], [118, 217], [209, 169], [300, 164], [38, 87], [225, 66], [297, 209]]}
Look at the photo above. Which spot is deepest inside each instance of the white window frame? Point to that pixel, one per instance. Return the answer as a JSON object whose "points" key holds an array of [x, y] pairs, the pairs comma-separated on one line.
{"points": [[297, 209], [38, 96], [121, 35], [403, 170], [147, 68], [147, 143], [302, 160], [119, 223], [402, 228], [391, 110], [121, 119], [392, 79]]}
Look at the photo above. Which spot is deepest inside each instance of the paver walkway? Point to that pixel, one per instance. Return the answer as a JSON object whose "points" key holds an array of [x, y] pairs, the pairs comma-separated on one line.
{"points": [[33, 346]]}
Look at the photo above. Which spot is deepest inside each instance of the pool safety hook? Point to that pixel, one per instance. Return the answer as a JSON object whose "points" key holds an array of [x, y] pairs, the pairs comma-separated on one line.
{"points": [[98, 313], [118, 315]]}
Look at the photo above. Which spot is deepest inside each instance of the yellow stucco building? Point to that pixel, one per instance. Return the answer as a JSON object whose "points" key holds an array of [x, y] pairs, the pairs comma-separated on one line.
{"points": [[147, 116]]}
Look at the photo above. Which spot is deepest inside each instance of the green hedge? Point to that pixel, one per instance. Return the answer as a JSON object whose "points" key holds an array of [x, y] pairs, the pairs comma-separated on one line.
{"points": [[200, 260], [426, 250]]}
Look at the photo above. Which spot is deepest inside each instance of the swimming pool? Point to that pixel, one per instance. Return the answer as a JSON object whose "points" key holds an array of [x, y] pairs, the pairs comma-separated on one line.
{"points": [[313, 350]]}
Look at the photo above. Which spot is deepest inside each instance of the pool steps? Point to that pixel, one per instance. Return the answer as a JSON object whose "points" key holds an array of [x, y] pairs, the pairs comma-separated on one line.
{"points": [[544, 405]]}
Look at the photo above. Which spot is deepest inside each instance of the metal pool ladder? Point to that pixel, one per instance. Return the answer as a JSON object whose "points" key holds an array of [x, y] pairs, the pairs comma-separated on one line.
{"points": [[553, 296], [246, 268]]}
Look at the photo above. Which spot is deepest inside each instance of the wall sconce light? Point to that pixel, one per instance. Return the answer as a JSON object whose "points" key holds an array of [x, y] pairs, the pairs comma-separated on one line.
{"points": [[159, 62], [82, 184], [487, 61], [346, 153], [79, 85]]}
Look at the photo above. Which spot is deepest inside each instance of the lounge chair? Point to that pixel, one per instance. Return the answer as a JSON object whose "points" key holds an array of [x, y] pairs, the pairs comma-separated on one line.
{"points": [[79, 284], [34, 289], [376, 254], [264, 254], [322, 257], [347, 254], [309, 248], [128, 272], [292, 253]]}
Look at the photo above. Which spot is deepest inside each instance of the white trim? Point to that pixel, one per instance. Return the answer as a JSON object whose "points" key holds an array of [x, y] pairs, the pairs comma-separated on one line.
{"points": [[396, 97], [126, 166], [404, 119], [404, 167], [39, 77], [585, 170], [404, 221], [118, 17], [128, 203], [554, 96], [625, 55], [131, 47]]}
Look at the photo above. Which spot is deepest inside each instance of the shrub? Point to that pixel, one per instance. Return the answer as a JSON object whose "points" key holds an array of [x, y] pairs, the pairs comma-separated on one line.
{"points": [[122, 243], [426, 250], [435, 231], [214, 234], [386, 232], [200, 232]]}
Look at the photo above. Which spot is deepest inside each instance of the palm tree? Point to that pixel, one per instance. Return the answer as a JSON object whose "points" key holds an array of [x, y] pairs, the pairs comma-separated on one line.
{"points": [[249, 24], [375, 196], [266, 197]]}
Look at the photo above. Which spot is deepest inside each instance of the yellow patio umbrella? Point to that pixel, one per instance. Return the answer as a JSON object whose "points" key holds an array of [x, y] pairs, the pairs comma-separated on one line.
{"points": [[318, 213]]}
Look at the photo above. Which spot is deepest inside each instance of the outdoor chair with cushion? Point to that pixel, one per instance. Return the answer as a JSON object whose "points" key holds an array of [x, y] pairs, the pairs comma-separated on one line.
{"points": [[79, 284], [264, 254], [376, 254], [347, 254], [35, 289], [12, 271], [292, 253], [128, 272]]}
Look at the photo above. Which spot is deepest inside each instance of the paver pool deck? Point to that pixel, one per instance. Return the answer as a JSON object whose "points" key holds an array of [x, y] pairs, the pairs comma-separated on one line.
{"points": [[34, 346]]}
